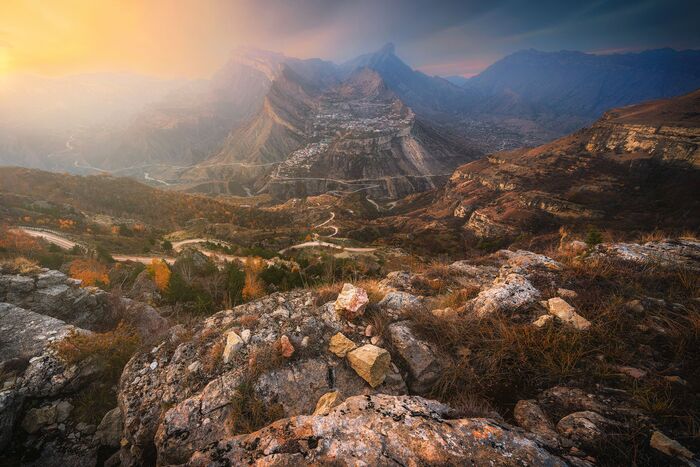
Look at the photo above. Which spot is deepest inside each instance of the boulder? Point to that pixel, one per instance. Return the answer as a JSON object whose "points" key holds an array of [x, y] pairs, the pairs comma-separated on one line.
{"points": [[341, 345], [35, 419], [587, 428], [670, 447], [529, 415], [351, 302], [507, 294], [567, 314], [10, 407], [416, 355], [379, 430], [109, 431], [327, 402], [401, 301], [371, 363]]}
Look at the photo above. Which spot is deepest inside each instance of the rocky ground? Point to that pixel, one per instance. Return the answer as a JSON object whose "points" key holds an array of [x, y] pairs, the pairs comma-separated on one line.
{"points": [[584, 357]]}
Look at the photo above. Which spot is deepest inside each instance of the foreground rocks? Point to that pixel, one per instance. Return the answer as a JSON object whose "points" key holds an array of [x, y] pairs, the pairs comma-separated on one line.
{"points": [[380, 430]]}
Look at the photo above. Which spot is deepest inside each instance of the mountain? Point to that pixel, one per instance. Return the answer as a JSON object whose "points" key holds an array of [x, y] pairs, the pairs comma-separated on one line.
{"points": [[635, 169], [341, 135], [566, 90]]}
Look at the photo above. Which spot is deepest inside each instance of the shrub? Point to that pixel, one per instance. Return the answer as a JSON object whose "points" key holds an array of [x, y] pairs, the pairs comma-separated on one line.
{"points": [[160, 272], [167, 245], [109, 350], [254, 287], [90, 272], [20, 265], [593, 237]]}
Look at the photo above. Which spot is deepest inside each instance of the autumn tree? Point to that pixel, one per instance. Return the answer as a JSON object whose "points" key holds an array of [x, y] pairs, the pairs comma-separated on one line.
{"points": [[160, 272], [89, 271], [254, 287]]}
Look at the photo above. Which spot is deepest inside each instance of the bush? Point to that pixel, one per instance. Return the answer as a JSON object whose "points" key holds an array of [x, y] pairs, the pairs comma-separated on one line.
{"points": [[109, 350], [90, 272], [593, 237]]}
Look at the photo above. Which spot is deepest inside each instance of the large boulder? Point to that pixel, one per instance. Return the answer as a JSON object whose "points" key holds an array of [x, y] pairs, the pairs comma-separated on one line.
{"points": [[669, 253], [417, 357], [507, 294], [379, 430]]}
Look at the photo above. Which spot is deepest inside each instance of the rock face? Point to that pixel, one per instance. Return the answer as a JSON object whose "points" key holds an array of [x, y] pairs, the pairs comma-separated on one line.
{"points": [[644, 156], [176, 398], [676, 253], [52, 293], [380, 430]]}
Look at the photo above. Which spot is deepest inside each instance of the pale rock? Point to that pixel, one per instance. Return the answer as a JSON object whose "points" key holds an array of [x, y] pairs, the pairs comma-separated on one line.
{"points": [[351, 301], [632, 372], [567, 314], [369, 331], [327, 401], [400, 301], [376, 340], [542, 320], [371, 363], [506, 295], [286, 347], [566, 293], [305, 341], [233, 344], [668, 446], [245, 335], [340, 345]]}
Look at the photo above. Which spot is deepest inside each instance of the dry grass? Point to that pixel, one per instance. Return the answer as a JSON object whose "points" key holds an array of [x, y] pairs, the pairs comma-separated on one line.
{"points": [[248, 412], [374, 292], [109, 350], [327, 292], [212, 357], [20, 265], [264, 358], [454, 299]]}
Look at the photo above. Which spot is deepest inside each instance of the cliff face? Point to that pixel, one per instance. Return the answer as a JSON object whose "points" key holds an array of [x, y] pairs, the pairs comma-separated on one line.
{"points": [[636, 165]]}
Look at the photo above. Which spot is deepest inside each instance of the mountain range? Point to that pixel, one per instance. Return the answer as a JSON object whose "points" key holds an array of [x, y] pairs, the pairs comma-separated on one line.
{"points": [[270, 123]]}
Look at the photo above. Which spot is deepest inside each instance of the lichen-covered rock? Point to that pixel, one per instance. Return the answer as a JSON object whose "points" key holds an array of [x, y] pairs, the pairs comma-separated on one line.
{"points": [[586, 428], [507, 294], [401, 301], [380, 430], [530, 416], [351, 301], [371, 363], [109, 431], [669, 253], [417, 356], [670, 447]]}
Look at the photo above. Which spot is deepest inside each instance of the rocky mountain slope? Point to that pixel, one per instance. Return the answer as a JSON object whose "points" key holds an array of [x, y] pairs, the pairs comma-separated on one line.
{"points": [[303, 378], [635, 168]]}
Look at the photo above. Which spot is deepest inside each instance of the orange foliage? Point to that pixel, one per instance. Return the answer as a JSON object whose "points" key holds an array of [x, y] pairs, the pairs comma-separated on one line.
{"points": [[66, 224], [160, 272], [254, 287], [90, 271], [18, 241]]}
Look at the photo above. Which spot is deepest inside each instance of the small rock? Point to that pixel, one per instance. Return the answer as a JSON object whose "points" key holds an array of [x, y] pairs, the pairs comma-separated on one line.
{"points": [[635, 306], [566, 293], [351, 302], [286, 347], [507, 294], [668, 446], [193, 367], [584, 427], [280, 312], [376, 340], [305, 341], [369, 330], [85, 428], [632, 372], [63, 410], [567, 314], [676, 379], [326, 402], [341, 345], [110, 429], [153, 365], [371, 363], [542, 320], [245, 335], [233, 345], [36, 419]]}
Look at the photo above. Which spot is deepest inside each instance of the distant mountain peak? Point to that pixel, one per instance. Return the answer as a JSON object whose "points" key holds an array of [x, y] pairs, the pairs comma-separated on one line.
{"points": [[387, 49]]}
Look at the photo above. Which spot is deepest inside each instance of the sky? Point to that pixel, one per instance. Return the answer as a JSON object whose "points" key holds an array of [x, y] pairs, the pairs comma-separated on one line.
{"points": [[192, 38]]}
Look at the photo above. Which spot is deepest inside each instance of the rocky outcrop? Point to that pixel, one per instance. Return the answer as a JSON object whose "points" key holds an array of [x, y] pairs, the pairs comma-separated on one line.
{"points": [[668, 253], [53, 294], [381, 430]]}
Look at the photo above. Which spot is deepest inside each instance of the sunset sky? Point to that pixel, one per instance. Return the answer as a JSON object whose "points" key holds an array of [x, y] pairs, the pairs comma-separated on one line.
{"points": [[192, 38]]}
